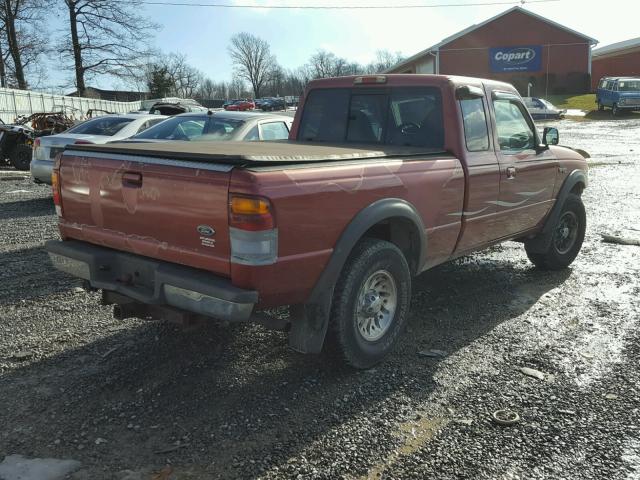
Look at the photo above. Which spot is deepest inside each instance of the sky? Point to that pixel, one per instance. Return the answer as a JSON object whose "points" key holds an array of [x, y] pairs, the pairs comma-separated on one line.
{"points": [[203, 33]]}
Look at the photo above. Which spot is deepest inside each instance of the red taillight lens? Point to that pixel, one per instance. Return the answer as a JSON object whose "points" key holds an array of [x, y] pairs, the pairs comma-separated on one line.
{"points": [[250, 213], [83, 142], [36, 143], [55, 185]]}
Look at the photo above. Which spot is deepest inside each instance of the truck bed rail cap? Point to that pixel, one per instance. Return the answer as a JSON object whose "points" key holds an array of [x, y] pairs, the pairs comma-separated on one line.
{"points": [[245, 153]]}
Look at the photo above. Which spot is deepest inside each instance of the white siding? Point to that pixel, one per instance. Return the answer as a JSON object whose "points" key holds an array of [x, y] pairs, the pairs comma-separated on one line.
{"points": [[426, 65]]}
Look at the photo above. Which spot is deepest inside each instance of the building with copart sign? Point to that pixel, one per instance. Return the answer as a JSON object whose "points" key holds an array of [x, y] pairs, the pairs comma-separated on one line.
{"points": [[535, 54]]}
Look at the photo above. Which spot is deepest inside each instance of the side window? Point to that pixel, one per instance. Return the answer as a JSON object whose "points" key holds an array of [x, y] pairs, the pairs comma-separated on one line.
{"points": [[514, 132], [153, 121], [475, 124], [253, 135], [143, 127], [274, 131]]}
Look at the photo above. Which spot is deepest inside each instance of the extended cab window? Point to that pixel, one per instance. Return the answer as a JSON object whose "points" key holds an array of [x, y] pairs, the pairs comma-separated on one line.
{"points": [[409, 116], [514, 132], [475, 124]]}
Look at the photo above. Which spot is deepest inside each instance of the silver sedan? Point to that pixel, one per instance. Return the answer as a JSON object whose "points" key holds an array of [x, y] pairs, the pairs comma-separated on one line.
{"points": [[230, 126], [98, 130]]}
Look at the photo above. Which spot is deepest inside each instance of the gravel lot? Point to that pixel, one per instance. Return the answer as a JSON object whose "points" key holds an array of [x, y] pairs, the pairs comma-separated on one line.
{"points": [[129, 399]]}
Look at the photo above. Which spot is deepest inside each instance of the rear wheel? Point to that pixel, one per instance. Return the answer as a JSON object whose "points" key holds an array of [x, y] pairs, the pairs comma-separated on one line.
{"points": [[370, 303], [600, 107], [20, 157], [566, 238]]}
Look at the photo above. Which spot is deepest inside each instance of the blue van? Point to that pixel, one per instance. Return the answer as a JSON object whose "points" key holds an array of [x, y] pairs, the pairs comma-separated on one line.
{"points": [[619, 93]]}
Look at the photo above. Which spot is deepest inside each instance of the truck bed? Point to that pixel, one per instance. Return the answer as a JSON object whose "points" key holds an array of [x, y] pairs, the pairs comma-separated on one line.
{"points": [[254, 153]]}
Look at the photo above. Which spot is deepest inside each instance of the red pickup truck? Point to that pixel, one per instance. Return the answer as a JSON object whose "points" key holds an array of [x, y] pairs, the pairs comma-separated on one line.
{"points": [[383, 177]]}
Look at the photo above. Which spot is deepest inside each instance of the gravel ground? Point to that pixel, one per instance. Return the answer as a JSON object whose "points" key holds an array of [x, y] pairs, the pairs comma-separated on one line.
{"points": [[129, 399]]}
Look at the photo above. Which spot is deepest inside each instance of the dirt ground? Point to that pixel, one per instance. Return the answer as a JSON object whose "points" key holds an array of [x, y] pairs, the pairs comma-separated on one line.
{"points": [[129, 398]]}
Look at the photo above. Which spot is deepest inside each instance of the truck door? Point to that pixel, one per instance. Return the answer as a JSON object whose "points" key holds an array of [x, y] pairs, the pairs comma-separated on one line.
{"points": [[527, 172], [483, 174]]}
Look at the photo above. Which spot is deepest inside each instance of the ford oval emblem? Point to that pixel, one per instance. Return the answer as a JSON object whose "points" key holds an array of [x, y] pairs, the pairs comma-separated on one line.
{"points": [[206, 230]]}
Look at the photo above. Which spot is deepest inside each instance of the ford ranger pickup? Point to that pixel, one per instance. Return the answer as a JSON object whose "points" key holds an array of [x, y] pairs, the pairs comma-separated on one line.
{"points": [[382, 178]]}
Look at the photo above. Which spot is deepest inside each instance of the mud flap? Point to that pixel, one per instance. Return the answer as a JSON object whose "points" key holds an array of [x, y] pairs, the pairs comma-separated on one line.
{"points": [[309, 323]]}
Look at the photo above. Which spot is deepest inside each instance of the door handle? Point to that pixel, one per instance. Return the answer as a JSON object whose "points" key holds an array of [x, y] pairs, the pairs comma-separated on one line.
{"points": [[511, 172], [132, 179]]}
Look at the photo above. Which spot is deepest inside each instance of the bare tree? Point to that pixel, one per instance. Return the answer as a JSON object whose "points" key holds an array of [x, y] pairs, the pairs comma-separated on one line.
{"points": [[106, 37], [185, 78], [252, 59], [21, 27], [383, 61]]}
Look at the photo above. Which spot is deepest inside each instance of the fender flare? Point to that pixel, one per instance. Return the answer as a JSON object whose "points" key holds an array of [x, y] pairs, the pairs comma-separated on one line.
{"points": [[312, 319], [365, 219], [540, 243]]}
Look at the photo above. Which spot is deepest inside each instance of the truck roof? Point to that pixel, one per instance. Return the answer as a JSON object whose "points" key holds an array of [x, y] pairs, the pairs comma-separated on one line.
{"points": [[247, 153], [410, 80]]}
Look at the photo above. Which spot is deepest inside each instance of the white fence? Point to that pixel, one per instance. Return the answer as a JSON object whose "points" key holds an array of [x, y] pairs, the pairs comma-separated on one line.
{"points": [[14, 103]]}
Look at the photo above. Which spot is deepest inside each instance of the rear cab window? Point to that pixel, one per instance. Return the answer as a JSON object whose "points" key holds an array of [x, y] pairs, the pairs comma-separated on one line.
{"points": [[409, 116]]}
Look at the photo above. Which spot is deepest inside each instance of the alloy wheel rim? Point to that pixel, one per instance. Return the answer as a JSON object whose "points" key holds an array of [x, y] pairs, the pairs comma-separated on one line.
{"points": [[376, 305], [566, 232]]}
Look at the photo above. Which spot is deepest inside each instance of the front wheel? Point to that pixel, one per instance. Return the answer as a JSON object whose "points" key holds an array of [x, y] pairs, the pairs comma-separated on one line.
{"points": [[20, 157], [370, 304], [615, 111], [566, 238]]}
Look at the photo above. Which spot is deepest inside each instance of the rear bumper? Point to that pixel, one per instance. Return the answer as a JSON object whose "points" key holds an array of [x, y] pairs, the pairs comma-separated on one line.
{"points": [[153, 282], [41, 171]]}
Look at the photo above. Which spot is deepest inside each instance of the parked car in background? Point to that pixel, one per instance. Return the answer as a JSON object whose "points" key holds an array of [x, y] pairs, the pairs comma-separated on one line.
{"points": [[621, 94], [541, 109], [273, 103], [176, 107], [97, 130], [259, 101], [231, 126], [241, 106]]}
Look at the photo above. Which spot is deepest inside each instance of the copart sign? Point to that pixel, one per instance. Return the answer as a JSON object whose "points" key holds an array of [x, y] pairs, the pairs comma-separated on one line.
{"points": [[516, 59]]}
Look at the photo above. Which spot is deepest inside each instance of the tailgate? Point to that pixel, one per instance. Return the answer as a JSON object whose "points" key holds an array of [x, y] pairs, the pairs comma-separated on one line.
{"points": [[169, 210]]}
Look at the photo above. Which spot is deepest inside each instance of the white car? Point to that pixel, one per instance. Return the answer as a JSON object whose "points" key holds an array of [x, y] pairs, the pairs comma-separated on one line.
{"points": [[542, 109], [104, 129]]}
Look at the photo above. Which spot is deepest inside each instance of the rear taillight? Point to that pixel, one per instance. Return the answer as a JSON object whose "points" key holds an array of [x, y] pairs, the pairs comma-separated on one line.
{"points": [[55, 185], [254, 238], [250, 213], [37, 150]]}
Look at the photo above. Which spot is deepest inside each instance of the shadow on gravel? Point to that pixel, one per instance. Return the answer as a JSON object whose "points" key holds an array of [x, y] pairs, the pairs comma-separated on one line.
{"points": [[35, 207], [234, 401], [28, 273]]}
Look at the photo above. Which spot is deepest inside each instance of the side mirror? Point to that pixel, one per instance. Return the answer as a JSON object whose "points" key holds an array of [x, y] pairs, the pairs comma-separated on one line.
{"points": [[550, 136]]}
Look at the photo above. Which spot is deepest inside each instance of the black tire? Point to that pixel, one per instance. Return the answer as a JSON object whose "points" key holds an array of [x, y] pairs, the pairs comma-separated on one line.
{"points": [[368, 259], [564, 246], [615, 111], [20, 157], [600, 107]]}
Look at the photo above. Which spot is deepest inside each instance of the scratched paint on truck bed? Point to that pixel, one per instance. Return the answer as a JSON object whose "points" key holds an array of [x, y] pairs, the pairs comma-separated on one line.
{"points": [[147, 209]]}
